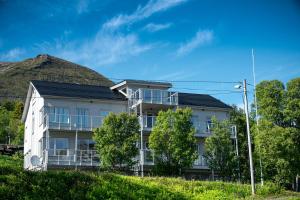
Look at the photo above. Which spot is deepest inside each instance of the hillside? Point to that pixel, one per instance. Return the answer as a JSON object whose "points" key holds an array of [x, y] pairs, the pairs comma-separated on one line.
{"points": [[15, 76], [16, 183]]}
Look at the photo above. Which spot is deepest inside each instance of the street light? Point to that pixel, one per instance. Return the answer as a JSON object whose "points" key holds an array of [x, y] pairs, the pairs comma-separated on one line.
{"points": [[245, 100]]}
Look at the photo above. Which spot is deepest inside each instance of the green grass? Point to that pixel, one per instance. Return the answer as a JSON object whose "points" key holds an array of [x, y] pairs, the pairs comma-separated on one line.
{"points": [[18, 184]]}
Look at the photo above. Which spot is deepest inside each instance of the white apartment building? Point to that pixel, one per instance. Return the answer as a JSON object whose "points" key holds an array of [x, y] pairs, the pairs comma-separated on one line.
{"points": [[59, 119]]}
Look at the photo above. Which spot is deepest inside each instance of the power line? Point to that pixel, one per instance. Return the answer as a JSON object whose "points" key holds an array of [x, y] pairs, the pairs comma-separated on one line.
{"points": [[59, 76]]}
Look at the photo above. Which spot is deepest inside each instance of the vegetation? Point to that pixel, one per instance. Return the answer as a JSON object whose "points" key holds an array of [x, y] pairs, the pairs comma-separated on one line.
{"points": [[18, 184], [116, 140], [220, 152], [278, 133], [11, 127], [15, 76], [173, 141], [237, 117]]}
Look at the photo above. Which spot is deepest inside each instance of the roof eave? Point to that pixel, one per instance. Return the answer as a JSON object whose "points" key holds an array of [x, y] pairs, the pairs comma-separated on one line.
{"points": [[27, 102]]}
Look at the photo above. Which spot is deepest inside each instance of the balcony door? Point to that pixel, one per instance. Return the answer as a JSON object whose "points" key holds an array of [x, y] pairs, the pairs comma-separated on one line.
{"points": [[59, 146], [59, 115], [82, 117]]}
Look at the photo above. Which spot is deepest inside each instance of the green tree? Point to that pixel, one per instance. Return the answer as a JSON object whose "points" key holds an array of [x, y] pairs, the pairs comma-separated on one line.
{"points": [[237, 118], [280, 152], [173, 141], [4, 122], [219, 151], [116, 140], [270, 101], [10, 122], [292, 102]]}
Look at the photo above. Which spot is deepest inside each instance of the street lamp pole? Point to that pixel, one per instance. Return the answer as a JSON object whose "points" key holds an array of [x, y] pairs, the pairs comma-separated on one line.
{"points": [[249, 137]]}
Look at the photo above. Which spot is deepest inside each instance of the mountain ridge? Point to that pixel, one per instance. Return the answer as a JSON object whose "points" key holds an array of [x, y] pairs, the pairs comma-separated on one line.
{"points": [[15, 76]]}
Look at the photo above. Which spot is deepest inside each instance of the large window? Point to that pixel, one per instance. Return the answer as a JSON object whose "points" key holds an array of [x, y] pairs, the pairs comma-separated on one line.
{"points": [[85, 144], [147, 95], [82, 119], [59, 146], [195, 121], [59, 115], [156, 96]]}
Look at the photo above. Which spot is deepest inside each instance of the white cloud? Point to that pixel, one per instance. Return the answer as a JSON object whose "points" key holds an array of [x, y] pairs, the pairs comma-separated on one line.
{"points": [[156, 27], [105, 48], [12, 54], [201, 38], [109, 45], [152, 7]]}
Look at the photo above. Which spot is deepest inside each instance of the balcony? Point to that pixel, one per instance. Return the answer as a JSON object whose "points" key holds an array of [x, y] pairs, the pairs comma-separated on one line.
{"points": [[204, 129], [71, 157], [71, 122], [147, 122], [154, 96]]}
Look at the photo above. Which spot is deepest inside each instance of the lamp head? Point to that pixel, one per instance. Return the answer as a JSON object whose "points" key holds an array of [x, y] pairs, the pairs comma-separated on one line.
{"points": [[238, 86]]}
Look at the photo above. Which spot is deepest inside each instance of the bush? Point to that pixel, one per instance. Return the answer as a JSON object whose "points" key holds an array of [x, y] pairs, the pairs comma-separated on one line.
{"points": [[18, 184], [269, 188]]}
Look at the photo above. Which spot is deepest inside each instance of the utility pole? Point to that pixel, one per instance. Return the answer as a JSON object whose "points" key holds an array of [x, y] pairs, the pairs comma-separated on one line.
{"points": [[249, 137], [256, 117]]}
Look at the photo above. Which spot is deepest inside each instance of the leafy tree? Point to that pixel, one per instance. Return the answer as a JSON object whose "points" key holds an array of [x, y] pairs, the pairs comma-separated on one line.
{"points": [[173, 141], [10, 122], [292, 102], [280, 152], [237, 117], [4, 121], [116, 140], [219, 151], [270, 101]]}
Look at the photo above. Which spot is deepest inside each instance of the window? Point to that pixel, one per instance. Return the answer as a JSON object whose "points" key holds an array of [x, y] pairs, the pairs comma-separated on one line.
{"points": [[59, 146], [208, 124], [59, 115], [156, 95], [82, 119], [33, 122], [85, 144], [147, 95], [195, 121]]}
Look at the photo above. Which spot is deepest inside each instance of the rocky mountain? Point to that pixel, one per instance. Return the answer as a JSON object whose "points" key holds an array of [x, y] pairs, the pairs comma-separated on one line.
{"points": [[15, 76]]}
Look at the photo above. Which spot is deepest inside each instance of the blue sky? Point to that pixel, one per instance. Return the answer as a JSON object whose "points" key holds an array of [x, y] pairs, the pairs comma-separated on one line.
{"points": [[179, 40]]}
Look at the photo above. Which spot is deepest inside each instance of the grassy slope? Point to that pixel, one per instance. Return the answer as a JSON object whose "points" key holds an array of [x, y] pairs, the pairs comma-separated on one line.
{"points": [[18, 184], [15, 76]]}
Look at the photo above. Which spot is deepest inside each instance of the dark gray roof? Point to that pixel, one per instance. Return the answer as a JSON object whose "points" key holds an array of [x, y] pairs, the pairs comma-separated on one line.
{"points": [[205, 100], [76, 90], [132, 81]]}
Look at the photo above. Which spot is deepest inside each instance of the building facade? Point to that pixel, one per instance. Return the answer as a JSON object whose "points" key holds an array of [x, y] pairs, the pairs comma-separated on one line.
{"points": [[59, 119]]}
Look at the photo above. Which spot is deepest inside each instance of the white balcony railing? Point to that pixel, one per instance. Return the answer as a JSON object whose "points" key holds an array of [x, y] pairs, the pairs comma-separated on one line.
{"points": [[72, 157], [154, 96], [71, 122]]}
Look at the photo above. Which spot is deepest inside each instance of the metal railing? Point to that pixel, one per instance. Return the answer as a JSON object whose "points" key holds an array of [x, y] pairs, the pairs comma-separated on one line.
{"points": [[154, 96], [206, 129], [147, 122], [72, 157], [71, 122]]}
